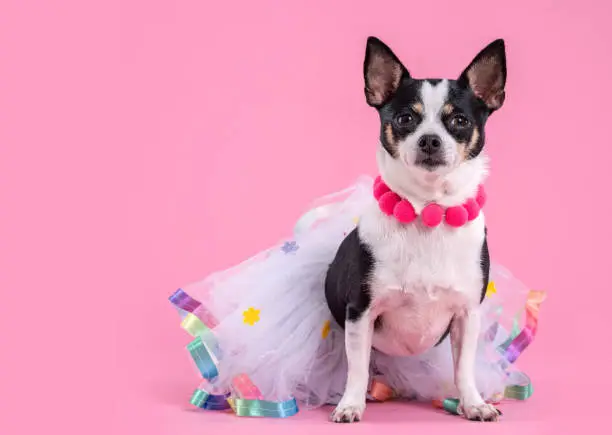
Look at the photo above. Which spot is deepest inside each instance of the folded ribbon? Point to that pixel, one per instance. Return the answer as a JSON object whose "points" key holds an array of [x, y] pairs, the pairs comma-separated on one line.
{"points": [[214, 402], [183, 301], [245, 388], [449, 405], [203, 359], [526, 336], [263, 408], [380, 391], [521, 389]]}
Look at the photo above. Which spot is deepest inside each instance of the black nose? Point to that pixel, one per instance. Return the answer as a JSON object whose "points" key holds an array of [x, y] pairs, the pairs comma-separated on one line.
{"points": [[430, 143]]}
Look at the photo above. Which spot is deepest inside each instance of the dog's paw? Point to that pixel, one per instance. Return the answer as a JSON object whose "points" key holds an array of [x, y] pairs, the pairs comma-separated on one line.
{"points": [[348, 412], [480, 412]]}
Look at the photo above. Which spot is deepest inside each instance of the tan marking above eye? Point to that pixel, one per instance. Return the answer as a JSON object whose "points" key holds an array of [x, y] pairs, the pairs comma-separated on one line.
{"points": [[418, 108], [389, 134], [448, 109], [463, 150], [474, 139]]}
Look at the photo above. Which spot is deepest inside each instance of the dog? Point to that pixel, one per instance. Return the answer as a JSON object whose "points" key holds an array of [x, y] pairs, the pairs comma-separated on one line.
{"points": [[404, 288]]}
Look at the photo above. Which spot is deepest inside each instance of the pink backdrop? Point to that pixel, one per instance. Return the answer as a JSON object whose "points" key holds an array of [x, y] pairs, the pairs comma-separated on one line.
{"points": [[144, 144]]}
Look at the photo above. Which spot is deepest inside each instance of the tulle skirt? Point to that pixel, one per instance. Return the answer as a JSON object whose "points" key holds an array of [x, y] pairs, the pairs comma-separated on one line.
{"points": [[266, 333]]}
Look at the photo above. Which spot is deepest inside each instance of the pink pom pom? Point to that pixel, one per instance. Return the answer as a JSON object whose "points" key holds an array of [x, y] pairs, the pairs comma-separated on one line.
{"points": [[380, 189], [456, 216], [432, 215], [387, 202], [377, 180], [472, 208], [404, 212], [481, 196]]}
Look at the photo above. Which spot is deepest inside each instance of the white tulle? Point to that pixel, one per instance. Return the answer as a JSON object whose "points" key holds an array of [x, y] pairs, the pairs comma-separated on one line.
{"points": [[286, 353]]}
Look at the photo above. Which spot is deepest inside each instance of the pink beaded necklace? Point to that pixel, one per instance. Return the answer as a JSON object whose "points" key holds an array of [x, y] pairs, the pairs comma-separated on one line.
{"points": [[392, 204]]}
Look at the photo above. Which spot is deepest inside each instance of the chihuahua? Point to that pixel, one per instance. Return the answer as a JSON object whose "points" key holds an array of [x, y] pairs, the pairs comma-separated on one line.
{"points": [[400, 287]]}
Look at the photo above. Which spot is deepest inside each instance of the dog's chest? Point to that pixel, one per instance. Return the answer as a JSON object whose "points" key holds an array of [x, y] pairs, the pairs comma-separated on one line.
{"points": [[420, 279]]}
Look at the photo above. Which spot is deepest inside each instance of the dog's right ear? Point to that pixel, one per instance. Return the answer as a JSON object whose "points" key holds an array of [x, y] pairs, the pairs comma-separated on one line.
{"points": [[382, 72]]}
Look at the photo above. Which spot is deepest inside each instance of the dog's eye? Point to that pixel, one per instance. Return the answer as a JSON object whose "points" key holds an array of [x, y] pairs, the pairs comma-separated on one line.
{"points": [[459, 121], [404, 120]]}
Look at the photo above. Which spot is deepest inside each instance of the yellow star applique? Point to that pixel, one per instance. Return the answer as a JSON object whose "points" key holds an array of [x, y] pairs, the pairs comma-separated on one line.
{"points": [[356, 220], [326, 329], [251, 316], [491, 290]]}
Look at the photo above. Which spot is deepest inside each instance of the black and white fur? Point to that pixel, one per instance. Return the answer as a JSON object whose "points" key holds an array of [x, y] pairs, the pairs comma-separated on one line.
{"points": [[404, 288]]}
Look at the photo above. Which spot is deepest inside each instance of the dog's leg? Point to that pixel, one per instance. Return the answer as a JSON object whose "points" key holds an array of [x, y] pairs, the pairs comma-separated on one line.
{"points": [[464, 339], [358, 340]]}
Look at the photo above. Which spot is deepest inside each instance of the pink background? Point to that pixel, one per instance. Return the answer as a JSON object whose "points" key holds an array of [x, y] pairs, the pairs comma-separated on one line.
{"points": [[144, 144]]}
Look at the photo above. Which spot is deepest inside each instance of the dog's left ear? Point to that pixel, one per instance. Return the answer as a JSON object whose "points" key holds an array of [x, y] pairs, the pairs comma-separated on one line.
{"points": [[486, 75]]}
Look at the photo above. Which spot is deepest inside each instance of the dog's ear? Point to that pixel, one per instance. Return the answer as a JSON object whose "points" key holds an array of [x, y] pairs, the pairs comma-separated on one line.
{"points": [[382, 72], [486, 75]]}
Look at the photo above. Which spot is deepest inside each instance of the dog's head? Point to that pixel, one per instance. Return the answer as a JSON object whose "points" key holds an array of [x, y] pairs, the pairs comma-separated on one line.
{"points": [[431, 127]]}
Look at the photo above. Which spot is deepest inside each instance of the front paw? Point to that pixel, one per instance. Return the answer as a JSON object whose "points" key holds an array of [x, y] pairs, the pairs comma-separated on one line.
{"points": [[348, 412], [480, 412]]}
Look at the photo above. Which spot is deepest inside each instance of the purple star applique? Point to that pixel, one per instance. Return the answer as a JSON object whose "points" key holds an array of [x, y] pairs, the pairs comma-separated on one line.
{"points": [[290, 247]]}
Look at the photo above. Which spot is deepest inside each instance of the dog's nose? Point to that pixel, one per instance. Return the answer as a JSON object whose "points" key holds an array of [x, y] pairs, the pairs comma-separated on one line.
{"points": [[430, 143]]}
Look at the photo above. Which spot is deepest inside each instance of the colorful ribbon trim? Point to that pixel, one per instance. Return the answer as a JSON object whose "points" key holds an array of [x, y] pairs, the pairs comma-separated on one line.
{"points": [[263, 408], [204, 347], [203, 359], [196, 328], [245, 388], [449, 405], [204, 351], [526, 336], [522, 389], [213, 402], [380, 391], [193, 325], [183, 301], [519, 392]]}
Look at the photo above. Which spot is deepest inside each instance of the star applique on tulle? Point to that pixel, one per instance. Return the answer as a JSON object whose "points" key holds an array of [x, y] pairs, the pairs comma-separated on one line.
{"points": [[356, 220], [251, 316], [290, 247], [326, 329], [491, 290]]}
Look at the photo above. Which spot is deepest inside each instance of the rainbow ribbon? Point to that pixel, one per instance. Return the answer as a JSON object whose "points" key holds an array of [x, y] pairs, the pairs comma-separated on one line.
{"points": [[263, 408], [526, 336], [380, 391], [204, 350], [519, 391], [203, 359], [183, 301], [246, 388], [204, 400], [449, 405]]}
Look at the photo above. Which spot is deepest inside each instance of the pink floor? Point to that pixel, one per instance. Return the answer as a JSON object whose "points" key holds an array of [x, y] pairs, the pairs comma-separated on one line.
{"points": [[552, 410]]}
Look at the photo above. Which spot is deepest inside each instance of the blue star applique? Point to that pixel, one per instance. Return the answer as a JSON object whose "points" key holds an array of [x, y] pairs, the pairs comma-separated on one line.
{"points": [[290, 247]]}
